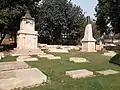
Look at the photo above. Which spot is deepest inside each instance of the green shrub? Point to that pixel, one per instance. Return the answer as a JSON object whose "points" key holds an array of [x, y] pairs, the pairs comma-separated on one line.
{"points": [[115, 59]]}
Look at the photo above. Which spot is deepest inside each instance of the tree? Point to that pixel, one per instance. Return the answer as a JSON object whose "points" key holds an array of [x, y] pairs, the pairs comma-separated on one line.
{"points": [[11, 12], [60, 20], [101, 15], [108, 12], [96, 33]]}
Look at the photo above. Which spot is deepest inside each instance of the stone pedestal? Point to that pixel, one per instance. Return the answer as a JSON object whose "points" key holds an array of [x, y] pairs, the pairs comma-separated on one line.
{"points": [[88, 42], [27, 37]]}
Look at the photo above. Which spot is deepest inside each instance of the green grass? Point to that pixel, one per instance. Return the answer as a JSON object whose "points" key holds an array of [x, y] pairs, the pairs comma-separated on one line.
{"points": [[8, 58], [55, 70]]}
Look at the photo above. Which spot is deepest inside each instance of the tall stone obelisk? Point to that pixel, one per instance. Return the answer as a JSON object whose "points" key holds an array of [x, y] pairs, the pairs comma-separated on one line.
{"points": [[88, 42], [27, 37]]}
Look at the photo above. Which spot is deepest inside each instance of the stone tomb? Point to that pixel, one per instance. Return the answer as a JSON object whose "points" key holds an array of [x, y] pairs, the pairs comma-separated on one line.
{"points": [[82, 73], [21, 78], [78, 60], [108, 72], [27, 37]]}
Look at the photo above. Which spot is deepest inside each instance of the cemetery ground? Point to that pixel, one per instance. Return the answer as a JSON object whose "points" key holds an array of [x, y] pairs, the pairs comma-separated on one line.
{"points": [[57, 80]]}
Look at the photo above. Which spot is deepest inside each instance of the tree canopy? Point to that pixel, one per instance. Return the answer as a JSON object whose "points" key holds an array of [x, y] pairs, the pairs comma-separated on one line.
{"points": [[108, 12], [11, 12], [59, 21]]}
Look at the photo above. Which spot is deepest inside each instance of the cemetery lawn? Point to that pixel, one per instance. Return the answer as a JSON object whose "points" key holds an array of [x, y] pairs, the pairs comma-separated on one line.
{"points": [[55, 70]]}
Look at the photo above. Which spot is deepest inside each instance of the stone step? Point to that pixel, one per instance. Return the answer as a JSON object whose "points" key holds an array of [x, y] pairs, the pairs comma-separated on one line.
{"points": [[26, 58], [18, 52], [6, 66]]}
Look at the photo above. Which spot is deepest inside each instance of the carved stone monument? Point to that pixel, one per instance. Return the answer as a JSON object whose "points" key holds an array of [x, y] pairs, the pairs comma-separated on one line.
{"points": [[88, 42], [27, 37]]}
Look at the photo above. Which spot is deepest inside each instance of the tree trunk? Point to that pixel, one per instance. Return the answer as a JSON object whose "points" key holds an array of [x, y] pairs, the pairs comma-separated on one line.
{"points": [[3, 34]]}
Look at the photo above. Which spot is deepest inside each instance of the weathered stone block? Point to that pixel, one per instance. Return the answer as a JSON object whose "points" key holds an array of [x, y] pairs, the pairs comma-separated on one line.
{"points": [[82, 73], [5, 66], [26, 58], [55, 57], [108, 72], [22, 78], [78, 60], [45, 55]]}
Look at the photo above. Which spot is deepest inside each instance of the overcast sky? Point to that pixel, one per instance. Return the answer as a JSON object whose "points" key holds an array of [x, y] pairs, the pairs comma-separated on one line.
{"points": [[87, 5]]}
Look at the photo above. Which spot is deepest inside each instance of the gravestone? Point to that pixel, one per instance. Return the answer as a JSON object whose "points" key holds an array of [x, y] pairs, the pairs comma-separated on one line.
{"points": [[19, 75], [21, 78], [55, 50], [27, 37], [45, 55], [6, 66], [26, 58], [82, 73], [88, 42], [110, 53], [54, 58], [78, 59], [108, 72]]}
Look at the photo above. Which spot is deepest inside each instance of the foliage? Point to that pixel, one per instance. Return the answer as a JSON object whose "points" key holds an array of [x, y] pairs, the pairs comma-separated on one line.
{"points": [[60, 21], [10, 13], [96, 33], [102, 18], [108, 12], [115, 59]]}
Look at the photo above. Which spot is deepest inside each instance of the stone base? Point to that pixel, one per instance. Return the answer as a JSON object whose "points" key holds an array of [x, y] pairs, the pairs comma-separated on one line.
{"points": [[19, 52], [88, 51], [21, 78], [26, 58], [88, 46], [79, 73]]}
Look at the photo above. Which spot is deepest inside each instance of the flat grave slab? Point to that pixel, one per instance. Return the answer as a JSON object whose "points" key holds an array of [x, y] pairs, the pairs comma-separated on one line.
{"points": [[45, 55], [26, 58], [108, 72], [22, 78], [78, 59], [110, 53], [55, 57], [55, 50], [82, 73], [5, 66]]}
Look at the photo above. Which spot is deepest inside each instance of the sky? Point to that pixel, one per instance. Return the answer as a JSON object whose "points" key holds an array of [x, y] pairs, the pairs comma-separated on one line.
{"points": [[87, 5]]}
